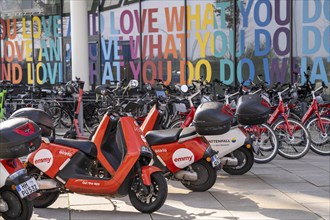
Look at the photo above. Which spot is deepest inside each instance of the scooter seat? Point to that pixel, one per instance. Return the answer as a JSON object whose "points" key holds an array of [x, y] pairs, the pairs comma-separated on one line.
{"points": [[86, 146], [163, 136], [188, 132]]}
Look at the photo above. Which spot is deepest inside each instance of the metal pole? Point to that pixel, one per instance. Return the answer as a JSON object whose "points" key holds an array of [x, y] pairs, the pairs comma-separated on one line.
{"points": [[291, 39], [33, 61], [62, 44], [186, 42], [141, 60], [235, 41]]}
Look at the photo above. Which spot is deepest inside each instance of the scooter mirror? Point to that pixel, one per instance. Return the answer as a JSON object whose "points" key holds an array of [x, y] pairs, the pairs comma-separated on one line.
{"points": [[184, 88], [133, 83]]}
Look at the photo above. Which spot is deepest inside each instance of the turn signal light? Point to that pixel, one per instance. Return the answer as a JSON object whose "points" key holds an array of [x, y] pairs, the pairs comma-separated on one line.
{"points": [[208, 159], [248, 146], [13, 187]]}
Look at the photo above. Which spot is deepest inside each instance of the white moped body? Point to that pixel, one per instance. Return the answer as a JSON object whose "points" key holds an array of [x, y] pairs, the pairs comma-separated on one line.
{"points": [[228, 142]]}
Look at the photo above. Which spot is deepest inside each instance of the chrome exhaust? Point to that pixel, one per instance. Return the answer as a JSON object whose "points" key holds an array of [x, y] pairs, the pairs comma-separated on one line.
{"points": [[186, 175], [47, 184], [229, 161]]}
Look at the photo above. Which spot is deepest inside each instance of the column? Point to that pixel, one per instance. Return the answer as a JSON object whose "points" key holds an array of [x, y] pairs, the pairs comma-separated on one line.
{"points": [[79, 40]]}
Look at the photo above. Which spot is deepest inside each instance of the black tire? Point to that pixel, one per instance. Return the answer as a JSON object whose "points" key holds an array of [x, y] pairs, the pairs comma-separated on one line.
{"points": [[176, 123], [207, 175], [18, 208], [320, 142], [245, 161], [294, 147], [265, 141], [90, 129], [46, 198], [62, 119], [156, 197]]}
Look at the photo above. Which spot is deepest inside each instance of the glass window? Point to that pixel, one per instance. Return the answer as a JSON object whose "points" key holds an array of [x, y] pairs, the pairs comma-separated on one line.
{"points": [[163, 41], [264, 42], [16, 50], [311, 39], [210, 41], [120, 43], [48, 49]]}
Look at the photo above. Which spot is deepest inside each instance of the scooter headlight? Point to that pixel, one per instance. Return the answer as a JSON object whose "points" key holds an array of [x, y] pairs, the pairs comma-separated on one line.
{"points": [[146, 151]]}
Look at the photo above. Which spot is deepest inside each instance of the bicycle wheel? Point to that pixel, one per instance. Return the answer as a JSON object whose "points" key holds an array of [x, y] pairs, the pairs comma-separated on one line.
{"points": [[176, 123], [90, 126], [265, 142], [320, 141], [295, 146], [62, 119]]}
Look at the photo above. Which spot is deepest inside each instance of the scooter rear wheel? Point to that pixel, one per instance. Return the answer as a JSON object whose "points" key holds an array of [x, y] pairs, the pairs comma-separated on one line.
{"points": [[46, 198], [154, 200], [245, 161], [17, 208], [207, 175]]}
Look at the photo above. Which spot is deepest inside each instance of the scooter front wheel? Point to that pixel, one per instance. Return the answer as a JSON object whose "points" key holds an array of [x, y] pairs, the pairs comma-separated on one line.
{"points": [[245, 160], [207, 175], [17, 208], [154, 199]]}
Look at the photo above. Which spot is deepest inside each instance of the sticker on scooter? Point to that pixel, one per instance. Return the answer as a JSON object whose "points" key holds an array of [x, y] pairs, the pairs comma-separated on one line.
{"points": [[43, 160], [183, 157]]}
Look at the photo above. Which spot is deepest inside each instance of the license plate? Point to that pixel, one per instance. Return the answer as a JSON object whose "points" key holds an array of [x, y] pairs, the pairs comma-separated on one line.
{"points": [[215, 160], [28, 187]]}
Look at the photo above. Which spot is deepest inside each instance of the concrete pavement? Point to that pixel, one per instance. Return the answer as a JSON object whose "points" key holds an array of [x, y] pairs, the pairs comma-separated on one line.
{"points": [[282, 189]]}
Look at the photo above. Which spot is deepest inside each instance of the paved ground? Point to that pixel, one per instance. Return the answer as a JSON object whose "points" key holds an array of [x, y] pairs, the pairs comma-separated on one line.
{"points": [[282, 189]]}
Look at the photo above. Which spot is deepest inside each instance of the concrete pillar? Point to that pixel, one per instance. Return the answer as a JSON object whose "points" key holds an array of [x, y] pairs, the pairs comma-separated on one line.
{"points": [[79, 45], [79, 40]]}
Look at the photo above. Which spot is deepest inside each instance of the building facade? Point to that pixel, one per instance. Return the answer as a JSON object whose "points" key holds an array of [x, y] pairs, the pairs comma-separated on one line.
{"points": [[174, 40]]}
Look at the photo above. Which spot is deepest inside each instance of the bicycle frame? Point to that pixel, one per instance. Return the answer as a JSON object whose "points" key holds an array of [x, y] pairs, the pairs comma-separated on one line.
{"points": [[281, 110], [313, 108], [325, 109], [76, 113]]}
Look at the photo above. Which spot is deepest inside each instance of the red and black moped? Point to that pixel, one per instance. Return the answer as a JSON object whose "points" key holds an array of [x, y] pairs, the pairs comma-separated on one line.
{"points": [[114, 163], [182, 153], [18, 137]]}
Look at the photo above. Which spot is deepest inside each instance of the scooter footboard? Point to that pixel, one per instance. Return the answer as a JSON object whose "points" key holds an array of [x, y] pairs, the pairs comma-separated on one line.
{"points": [[146, 174]]}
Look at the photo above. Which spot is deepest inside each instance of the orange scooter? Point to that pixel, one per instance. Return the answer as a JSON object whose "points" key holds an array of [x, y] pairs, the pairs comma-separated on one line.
{"points": [[114, 163]]}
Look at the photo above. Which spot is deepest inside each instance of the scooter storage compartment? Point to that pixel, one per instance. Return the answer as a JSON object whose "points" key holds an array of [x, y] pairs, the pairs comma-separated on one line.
{"points": [[41, 118], [212, 119], [251, 110], [18, 137]]}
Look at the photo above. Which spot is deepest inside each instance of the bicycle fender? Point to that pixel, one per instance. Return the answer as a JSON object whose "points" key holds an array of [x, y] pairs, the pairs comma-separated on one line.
{"points": [[146, 174]]}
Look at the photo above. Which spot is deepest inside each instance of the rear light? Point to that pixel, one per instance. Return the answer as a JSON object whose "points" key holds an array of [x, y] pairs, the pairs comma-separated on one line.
{"points": [[11, 163], [25, 130]]}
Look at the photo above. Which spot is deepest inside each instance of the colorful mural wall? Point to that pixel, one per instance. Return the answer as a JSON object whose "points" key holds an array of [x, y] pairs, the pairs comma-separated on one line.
{"points": [[178, 41]]}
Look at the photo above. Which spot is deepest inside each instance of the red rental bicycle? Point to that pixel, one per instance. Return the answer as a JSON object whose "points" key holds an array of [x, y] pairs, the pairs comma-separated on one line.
{"points": [[318, 124], [294, 138]]}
